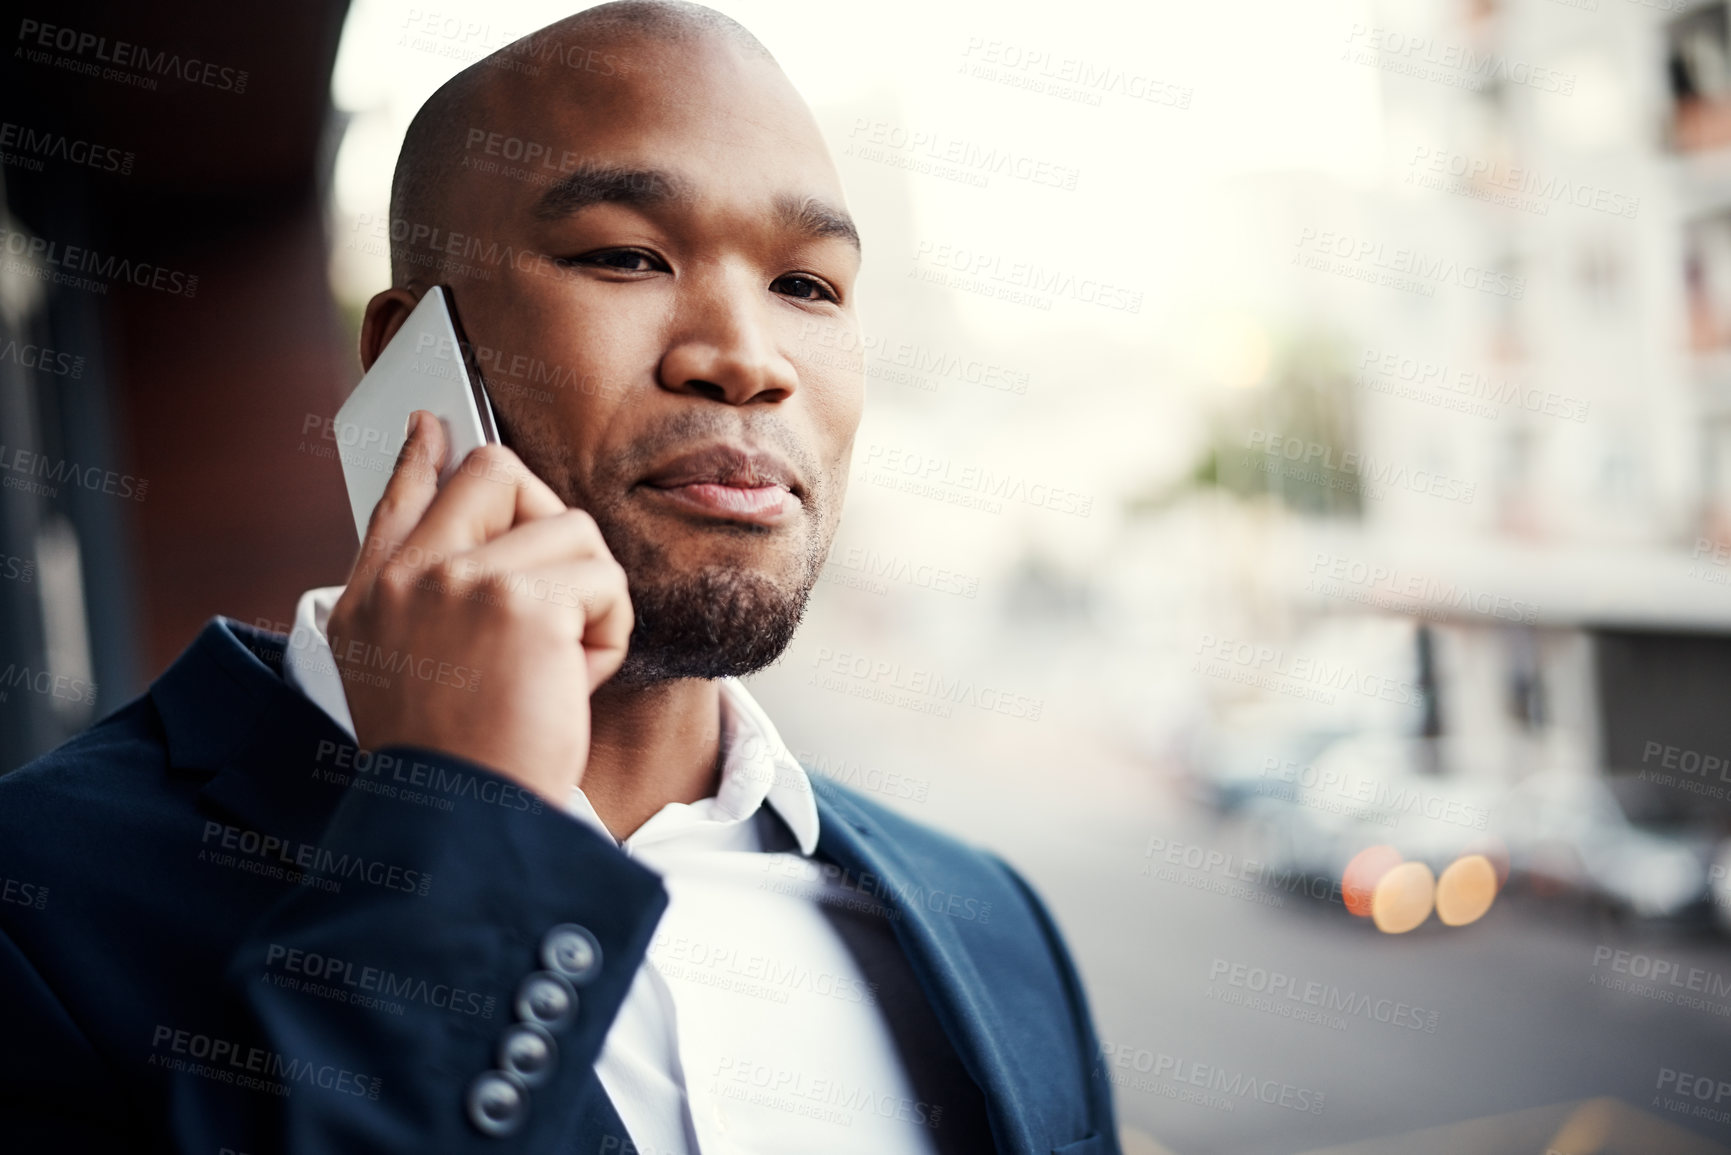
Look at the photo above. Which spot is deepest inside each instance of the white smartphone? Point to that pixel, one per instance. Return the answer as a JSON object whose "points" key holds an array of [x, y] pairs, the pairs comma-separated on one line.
{"points": [[427, 365]]}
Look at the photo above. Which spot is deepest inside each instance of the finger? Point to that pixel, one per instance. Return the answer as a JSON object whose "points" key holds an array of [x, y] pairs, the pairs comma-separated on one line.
{"points": [[588, 597], [491, 491], [598, 585], [414, 483], [571, 535]]}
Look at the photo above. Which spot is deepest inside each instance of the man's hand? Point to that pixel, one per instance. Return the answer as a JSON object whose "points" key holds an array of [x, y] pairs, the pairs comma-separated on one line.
{"points": [[480, 617]]}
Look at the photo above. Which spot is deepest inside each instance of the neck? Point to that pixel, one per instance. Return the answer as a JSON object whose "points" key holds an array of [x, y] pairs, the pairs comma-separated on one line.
{"points": [[651, 745]]}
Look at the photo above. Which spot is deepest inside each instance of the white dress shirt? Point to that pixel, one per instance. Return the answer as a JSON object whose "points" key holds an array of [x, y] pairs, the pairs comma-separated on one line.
{"points": [[751, 1027]]}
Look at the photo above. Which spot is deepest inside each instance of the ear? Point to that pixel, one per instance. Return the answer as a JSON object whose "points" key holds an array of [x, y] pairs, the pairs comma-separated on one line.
{"points": [[385, 314]]}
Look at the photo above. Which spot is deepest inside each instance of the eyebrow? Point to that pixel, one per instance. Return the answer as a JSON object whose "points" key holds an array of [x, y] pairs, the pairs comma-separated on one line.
{"points": [[816, 218], [649, 187], [605, 183]]}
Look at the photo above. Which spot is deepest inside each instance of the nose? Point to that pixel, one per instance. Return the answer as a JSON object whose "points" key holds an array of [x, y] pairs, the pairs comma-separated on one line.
{"points": [[724, 344]]}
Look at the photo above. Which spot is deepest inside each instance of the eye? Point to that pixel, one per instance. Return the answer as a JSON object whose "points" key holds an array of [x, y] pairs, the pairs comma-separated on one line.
{"points": [[804, 288], [619, 260]]}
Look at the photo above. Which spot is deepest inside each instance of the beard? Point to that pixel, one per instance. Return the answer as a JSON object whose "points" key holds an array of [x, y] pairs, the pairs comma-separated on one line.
{"points": [[707, 621], [713, 622]]}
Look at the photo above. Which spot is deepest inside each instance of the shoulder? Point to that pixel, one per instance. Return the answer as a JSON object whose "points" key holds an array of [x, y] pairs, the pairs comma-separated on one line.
{"points": [[79, 821], [924, 842], [121, 756], [994, 946], [951, 876]]}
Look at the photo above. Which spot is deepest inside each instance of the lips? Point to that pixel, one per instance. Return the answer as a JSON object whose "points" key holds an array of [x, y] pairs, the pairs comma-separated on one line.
{"points": [[730, 483]]}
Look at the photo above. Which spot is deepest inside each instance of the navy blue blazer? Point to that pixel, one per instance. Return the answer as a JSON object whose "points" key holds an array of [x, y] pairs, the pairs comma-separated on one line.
{"points": [[156, 870]]}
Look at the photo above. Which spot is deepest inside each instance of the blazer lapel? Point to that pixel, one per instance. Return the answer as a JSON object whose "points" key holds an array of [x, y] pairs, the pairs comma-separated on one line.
{"points": [[272, 759], [959, 994], [271, 756]]}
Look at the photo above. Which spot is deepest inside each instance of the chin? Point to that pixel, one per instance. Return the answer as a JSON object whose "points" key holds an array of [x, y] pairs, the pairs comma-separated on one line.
{"points": [[710, 621]]}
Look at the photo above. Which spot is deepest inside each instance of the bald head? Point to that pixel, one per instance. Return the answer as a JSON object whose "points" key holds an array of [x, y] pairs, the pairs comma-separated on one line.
{"points": [[647, 242], [581, 51]]}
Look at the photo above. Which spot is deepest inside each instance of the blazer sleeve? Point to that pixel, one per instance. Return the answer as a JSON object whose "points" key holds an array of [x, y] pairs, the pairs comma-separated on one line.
{"points": [[1104, 1140], [56, 1092], [465, 924]]}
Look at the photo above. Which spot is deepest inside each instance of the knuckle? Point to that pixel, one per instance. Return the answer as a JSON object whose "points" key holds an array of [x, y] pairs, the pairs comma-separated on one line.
{"points": [[584, 526], [386, 511], [493, 461], [395, 579]]}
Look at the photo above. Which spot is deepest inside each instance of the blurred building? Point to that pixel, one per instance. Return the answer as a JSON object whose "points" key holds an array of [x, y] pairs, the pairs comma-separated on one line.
{"points": [[166, 329], [1521, 443]]}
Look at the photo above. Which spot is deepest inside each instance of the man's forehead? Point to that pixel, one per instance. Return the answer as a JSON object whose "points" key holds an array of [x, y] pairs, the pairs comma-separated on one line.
{"points": [[692, 124], [648, 186], [705, 81]]}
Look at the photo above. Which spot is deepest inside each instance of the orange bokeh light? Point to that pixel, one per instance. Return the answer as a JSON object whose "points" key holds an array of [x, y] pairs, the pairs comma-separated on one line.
{"points": [[1404, 897], [1358, 881], [1466, 890]]}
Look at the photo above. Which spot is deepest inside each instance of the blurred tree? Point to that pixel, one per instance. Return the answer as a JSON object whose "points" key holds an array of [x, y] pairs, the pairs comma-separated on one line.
{"points": [[1291, 438]]}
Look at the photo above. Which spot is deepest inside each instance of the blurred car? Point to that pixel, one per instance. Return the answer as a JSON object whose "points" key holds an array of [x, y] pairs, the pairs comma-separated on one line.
{"points": [[1556, 830], [1566, 830], [1362, 791]]}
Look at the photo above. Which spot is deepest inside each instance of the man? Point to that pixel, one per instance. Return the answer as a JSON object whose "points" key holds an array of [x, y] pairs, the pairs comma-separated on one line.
{"points": [[493, 852]]}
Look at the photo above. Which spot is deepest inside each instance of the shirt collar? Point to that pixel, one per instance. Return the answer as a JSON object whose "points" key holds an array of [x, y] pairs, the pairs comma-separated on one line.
{"points": [[756, 768]]}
